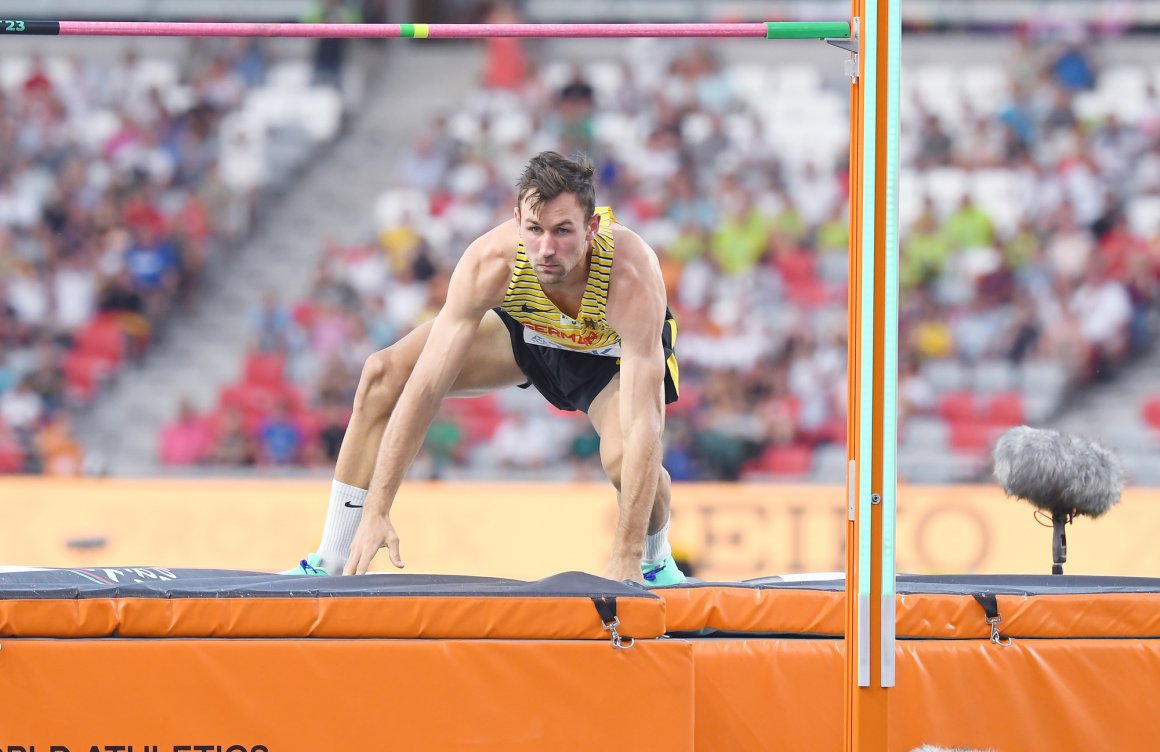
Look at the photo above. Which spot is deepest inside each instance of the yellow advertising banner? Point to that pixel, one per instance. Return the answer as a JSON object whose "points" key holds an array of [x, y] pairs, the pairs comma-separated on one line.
{"points": [[528, 531]]}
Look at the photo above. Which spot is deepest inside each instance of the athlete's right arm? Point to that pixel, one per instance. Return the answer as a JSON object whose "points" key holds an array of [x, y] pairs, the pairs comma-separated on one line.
{"points": [[477, 284]]}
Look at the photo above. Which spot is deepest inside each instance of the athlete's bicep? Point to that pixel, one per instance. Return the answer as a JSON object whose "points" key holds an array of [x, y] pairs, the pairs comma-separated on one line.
{"points": [[473, 289]]}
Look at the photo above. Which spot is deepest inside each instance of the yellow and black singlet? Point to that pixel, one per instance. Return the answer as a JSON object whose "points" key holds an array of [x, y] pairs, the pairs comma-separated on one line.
{"points": [[545, 324], [553, 350]]}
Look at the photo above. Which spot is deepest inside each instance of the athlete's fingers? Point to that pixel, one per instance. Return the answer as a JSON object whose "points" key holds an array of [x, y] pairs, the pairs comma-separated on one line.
{"points": [[393, 550], [366, 556]]}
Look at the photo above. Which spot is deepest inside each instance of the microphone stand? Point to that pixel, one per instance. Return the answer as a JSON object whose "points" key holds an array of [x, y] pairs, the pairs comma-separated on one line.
{"points": [[1059, 518]]}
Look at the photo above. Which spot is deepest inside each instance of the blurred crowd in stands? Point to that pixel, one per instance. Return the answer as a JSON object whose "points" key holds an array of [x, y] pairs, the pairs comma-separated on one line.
{"points": [[1030, 228], [1030, 261], [113, 199]]}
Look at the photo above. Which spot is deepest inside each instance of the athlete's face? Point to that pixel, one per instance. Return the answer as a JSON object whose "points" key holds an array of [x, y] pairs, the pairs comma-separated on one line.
{"points": [[556, 236]]}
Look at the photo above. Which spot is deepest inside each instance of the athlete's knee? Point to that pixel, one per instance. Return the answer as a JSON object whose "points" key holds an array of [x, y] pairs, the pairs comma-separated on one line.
{"points": [[383, 376]]}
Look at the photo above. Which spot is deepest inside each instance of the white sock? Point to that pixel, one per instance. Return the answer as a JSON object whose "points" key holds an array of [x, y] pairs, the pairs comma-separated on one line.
{"points": [[656, 547], [342, 518]]}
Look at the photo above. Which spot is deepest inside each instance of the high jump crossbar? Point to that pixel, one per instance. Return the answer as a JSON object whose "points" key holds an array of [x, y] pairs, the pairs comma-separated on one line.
{"points": [[763, 30]]}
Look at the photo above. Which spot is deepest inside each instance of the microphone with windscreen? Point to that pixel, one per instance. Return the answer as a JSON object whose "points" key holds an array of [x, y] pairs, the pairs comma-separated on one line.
{"points": [[1064, 475]]}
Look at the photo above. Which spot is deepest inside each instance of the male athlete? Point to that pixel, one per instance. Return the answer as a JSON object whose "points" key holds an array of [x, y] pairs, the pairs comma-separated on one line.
{"points": [[562, 298]]}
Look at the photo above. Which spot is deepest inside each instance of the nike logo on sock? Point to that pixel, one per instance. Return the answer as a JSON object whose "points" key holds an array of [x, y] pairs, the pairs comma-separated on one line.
{"points": [[353, 506]]}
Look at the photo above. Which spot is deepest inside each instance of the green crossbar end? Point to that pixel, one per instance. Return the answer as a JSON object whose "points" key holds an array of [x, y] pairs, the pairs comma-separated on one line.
{"points": [[807, 30]]}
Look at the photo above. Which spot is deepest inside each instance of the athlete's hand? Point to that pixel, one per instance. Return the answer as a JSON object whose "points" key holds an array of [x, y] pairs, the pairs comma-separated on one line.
{"points": [[621, 569], [374, 532]]}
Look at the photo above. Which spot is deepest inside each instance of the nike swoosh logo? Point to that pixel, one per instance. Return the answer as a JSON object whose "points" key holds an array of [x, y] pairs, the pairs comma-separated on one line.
{"points": [[651, 574], [353, 506], [528, 309]]}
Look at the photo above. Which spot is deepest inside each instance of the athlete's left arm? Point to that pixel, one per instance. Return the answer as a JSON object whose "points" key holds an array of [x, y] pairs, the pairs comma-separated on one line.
{"points": [[636, 310]]}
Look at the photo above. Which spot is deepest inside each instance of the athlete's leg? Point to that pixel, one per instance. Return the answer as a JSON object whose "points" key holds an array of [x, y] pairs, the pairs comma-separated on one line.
{"points": [[605, 416], [490, 365]]}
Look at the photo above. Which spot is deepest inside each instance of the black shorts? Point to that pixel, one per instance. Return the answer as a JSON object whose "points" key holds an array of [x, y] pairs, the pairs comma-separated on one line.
{"points": [[570, 380]]}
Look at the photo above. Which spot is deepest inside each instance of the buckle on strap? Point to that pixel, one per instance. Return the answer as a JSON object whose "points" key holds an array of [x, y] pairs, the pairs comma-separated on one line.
{"points": [[990, 604], [606, 608]]}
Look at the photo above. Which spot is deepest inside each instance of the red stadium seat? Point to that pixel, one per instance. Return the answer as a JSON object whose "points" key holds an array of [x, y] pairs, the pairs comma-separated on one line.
{"points": [[1006, 409], [481, 426], [11, 453], [83, 374], [259, 399], [973, 436], [265, 369], [958, 406], [796, 268], [1151, 412], [687, 404], [790, 460], [309, 423], [102, 337], [808, 293]]}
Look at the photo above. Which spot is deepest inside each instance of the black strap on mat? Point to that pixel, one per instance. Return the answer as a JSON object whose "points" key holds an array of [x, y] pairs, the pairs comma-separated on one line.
{"points": [[990, 604], [606, 607]]}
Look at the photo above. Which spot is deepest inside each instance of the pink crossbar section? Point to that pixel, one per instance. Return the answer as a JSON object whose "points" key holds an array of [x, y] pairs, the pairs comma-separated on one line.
{"points": [[435, 31]]}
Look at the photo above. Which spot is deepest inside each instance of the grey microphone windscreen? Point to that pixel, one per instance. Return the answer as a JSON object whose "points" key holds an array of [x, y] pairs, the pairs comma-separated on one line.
{"points": [[1057, 471]]}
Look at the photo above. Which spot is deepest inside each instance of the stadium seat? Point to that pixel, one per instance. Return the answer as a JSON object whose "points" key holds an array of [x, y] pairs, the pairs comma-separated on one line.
{"points": [[83, 374], [265, 369], [1144, 215], [1151, 412], [801, 80], [945, 375], [936, 467], [319, 111], [1006, 409], [102, 337], [1130, 436], [1142, 468], [1092, 105], [12, 455], [946, 187], [973, 437], [984, 86], [992, 376], [1043, 376], [830, 464], [791, 460], [958, 407], [294, 75], [251, 398], [1039, 406], [929, 433], [690, 398]]}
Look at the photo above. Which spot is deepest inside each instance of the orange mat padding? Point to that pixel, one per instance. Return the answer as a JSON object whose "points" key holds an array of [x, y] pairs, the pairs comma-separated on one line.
{"points": [[322, 695], [1058, 695], [154, 602], [731, 608], [387, 617]]}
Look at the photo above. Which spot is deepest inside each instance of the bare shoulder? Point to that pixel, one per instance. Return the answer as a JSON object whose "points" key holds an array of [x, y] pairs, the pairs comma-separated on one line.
{"points": [[635, 268], [636, 290], [483, 273]]}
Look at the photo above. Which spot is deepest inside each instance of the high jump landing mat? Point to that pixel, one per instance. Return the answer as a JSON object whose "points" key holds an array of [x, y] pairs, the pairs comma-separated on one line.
{"points": [[148, 659]]}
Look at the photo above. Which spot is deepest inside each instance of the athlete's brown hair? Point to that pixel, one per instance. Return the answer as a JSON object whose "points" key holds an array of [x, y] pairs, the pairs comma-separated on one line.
{"points": [[550, 174]]}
